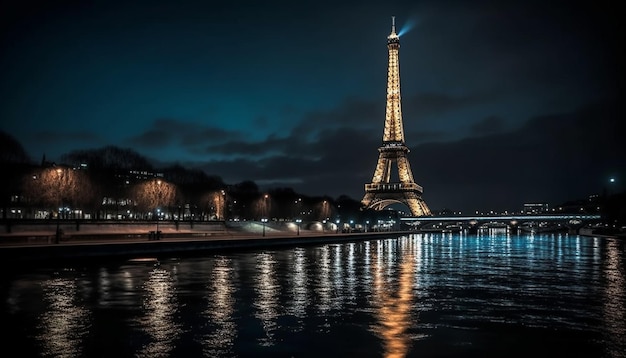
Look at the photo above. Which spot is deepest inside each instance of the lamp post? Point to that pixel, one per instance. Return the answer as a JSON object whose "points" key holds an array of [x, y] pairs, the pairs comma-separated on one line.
{"points": [[298, 207], [224, 205], [158, 211], [265, 212], [298, 221], [57, 235], [264, 220], [611, 185]]}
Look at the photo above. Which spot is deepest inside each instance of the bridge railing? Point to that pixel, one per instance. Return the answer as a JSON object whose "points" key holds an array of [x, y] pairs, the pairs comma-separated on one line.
{"points": [[393, 187], [555, 217]]}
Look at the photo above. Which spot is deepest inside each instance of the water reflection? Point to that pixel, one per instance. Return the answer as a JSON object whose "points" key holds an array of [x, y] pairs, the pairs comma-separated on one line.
{"points": [[615, 300], [268, 291], [351, 278], [66, 321], [220, 310], [337, 275], [393, 299], [322, 286], [299, 301], [451, 292], [159, 308]]}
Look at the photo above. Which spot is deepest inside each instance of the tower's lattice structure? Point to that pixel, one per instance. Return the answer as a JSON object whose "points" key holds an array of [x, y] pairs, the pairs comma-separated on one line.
{"points": [[382, 192]]}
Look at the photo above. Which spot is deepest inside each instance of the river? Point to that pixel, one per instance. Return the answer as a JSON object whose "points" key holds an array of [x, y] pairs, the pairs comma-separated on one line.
{"points": [[423, 295]]}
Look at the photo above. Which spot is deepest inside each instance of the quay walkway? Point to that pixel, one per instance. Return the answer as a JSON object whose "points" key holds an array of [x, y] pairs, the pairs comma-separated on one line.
{"points": [[29, 247]]}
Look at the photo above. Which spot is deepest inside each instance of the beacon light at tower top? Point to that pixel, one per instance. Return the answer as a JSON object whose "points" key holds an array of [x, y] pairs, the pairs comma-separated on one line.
{"points": [[408, 25]]}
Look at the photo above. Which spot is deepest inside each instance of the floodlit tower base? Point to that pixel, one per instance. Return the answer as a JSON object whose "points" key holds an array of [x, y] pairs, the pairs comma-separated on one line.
{"points": [[381, 199]]}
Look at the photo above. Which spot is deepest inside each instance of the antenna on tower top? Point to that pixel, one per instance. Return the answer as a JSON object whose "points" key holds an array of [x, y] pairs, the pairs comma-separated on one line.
{"points": [[393, 24]]}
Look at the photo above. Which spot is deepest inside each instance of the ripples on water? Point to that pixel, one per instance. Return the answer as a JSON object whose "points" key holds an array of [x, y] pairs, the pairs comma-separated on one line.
{"points": [[421, 295]]}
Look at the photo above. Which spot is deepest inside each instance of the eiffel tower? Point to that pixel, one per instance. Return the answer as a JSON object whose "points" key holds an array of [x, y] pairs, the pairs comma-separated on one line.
{"points": [[382, 192]]}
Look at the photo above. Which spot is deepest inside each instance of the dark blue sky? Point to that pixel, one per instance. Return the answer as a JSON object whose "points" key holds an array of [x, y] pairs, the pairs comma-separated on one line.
{"points": [[504, 102]]}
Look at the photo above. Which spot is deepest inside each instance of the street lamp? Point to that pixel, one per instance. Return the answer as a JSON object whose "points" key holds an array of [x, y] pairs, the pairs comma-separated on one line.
{"points": [[263, 220], [158, 210], [611, 185], [298, 207], [224, 205], [58, 231], [298, 221], [265, 212]]}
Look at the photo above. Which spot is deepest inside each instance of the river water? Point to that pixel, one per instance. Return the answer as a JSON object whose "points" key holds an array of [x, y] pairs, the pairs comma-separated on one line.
{"points": [[424, 295]]}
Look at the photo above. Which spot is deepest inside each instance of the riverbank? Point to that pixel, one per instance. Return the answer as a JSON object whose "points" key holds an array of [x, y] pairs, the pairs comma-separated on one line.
{"points": [[111, 242], [34, 244]]}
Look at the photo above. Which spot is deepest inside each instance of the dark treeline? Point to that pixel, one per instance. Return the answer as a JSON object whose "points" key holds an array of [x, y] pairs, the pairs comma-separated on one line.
{"points": [[119, 183]]}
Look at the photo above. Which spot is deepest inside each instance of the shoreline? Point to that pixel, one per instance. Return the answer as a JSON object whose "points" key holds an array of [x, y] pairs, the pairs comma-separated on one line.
{"points": [[41, 248], [127, 248]]}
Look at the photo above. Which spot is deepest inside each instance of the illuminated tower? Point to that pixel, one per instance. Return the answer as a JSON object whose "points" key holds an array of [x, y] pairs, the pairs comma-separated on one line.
{"points": [[382, 192]]}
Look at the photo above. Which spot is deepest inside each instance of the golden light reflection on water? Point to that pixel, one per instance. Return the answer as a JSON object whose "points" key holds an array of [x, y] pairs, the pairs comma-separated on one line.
{"points": [[393, 301], [323, 287], [220, 310], [299, 297], [159, 307], [351, 273], [65, 322], [268, 290], [615, 301], [337, 277]]}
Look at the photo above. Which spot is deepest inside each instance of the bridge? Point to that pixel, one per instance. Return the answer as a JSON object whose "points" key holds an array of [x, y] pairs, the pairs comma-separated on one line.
{"points": [[534, 223]]}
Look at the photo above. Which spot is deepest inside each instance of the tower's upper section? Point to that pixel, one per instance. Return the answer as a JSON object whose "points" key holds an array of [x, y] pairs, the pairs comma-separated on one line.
{"points": [[393, 38], [394, 131]]}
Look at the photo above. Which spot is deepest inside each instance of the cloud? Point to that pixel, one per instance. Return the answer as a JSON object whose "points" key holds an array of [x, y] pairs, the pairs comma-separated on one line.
{"points": [[491, 124], [343, 156], [553, 158], [152, 138], [425, 105], [191, 136], [53, 137]]}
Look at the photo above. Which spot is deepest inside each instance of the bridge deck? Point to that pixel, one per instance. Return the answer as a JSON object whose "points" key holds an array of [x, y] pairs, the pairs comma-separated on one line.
{"points": [[503, 218]]}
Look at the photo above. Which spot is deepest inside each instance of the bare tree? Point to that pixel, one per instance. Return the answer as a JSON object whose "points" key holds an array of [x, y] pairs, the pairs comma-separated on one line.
{"points": [[154, 194], [322, 210], [59, 187], [262, 207], [213, 204]]}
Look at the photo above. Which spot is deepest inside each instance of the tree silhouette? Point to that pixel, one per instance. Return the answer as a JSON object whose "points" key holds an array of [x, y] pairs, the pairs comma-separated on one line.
{"points": [[58, 187], [213, 204], [15, 164], [153, 194]]}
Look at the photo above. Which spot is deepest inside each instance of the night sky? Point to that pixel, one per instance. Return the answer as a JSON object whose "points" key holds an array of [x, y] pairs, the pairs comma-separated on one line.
{"points": [[504, 102]]}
